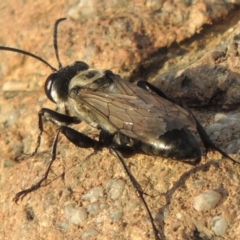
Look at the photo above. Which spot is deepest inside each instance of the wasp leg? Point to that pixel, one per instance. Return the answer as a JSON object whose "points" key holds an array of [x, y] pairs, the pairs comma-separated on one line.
{"points": [[119, 147], [151, 88], [207, 142], [136, 187], [105, 138], [57, 118], [77, 138]]}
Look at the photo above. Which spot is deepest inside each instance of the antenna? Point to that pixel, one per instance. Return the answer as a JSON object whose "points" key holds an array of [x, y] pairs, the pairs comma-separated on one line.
{"points": [[28, 54], [37, 57], [55, 40]]}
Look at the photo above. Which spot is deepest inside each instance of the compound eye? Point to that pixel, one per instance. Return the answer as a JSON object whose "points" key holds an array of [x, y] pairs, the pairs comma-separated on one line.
{"points": [[49, 89]]}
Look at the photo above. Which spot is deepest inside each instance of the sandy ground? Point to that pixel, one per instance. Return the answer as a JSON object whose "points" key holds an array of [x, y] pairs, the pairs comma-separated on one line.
{"points": [[171, 44]]}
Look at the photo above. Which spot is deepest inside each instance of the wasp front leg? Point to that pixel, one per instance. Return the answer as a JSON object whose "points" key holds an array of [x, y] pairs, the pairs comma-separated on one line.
{"points": [[57, 118], [75, 137], [78, 139]]}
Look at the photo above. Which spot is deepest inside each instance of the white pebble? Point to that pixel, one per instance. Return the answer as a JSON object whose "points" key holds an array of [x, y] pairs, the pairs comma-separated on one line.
{"points": [[90, 233], [154, 4], [94, 194], [13, 117], [115, 188], [73, 13], [74, 214], [116, 215], [93, 209], [85, 9], [206, 200], [14, 86], [219, 116], [219, 225]]}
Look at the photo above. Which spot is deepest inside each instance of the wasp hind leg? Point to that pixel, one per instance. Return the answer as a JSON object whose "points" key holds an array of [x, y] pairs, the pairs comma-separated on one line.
{"points": [[114, 150], [207, 142]]}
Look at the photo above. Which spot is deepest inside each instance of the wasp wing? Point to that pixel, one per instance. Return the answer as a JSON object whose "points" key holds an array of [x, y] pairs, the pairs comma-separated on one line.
{"points": [[135, 112]]}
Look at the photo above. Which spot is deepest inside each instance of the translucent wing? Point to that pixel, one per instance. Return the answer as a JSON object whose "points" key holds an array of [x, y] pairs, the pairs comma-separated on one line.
{"points": [[134, 111]]}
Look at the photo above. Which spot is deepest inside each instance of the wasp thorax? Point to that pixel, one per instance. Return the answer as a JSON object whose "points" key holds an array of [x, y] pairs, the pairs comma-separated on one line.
{"points": [[86, 77]]}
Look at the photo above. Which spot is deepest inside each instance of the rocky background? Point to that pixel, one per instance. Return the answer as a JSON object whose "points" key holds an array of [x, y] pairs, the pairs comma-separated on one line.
{"points": [[189, 49]]}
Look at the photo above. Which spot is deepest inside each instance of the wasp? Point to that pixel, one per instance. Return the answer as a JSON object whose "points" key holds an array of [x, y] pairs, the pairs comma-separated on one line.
{"points": [[131, 118]]}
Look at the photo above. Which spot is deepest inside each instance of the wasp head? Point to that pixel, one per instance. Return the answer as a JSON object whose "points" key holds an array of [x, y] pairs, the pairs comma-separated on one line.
{"points": [[57, 84]]}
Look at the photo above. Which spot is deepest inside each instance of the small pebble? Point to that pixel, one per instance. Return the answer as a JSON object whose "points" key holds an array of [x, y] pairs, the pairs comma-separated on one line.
{"points": [[89, 233], [94, 194], [74, 214], [9, 163], [219, 225], [15, 86], [206, 200], [13, 117], [17, 148], [93, 209], [115, 188], [84, 9], [62, 226], [154, 4], [116, 215], [219, 116]]}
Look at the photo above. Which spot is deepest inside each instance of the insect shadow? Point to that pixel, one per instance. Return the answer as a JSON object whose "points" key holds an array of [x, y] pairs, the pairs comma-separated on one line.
{"points": [[131, 118]]}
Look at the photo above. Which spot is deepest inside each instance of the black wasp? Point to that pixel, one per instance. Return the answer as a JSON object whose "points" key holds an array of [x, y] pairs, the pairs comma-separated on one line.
{"points": [[131, 118]]}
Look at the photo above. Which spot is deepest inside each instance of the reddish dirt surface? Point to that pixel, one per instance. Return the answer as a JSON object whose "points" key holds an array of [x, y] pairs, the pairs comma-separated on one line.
{"points": [[56, 211]]}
